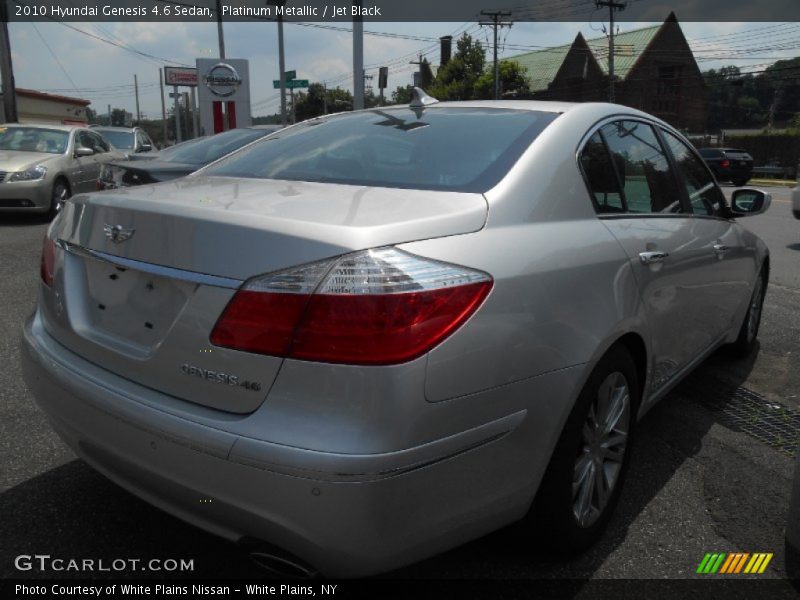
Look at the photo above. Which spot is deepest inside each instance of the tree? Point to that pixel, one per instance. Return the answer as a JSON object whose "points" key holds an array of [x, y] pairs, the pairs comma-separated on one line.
{"points": [[403, 94], [513, 81], [456, 80], [312, 103]]}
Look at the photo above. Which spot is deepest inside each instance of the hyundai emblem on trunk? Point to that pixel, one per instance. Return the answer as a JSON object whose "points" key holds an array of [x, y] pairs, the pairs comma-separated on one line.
{"points": [[118, 233]]}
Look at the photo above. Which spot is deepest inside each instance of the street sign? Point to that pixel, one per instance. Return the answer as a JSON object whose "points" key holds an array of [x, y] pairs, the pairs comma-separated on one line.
{"points": [[289, 75], [293, 84]]}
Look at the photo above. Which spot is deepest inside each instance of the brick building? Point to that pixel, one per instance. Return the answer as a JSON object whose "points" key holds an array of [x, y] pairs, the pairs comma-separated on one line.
{"points": [[654, 69]]}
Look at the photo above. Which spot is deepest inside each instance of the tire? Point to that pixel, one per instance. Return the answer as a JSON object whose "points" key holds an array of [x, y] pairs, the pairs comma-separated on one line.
{"points": [[740, 182], [58, 195], [570, 513], [748, 332]]}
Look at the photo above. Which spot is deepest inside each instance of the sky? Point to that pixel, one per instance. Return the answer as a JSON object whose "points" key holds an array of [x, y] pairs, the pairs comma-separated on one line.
{"points": [[69, 59]]}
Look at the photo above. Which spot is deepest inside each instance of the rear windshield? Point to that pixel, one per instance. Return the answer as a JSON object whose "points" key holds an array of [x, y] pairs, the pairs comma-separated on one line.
{"points": [[119, 139], [211, 148], [457, 149]]}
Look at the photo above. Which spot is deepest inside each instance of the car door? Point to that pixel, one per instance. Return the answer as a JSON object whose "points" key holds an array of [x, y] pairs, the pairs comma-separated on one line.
{"points": [[83, 166], [729, 265], [102, 154], [637, 197]]}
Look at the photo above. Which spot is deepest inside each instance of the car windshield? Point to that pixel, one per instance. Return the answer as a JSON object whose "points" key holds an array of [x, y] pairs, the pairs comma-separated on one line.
{"points": [[458, 149], [119, 139], [33, 139], [210, 149]]}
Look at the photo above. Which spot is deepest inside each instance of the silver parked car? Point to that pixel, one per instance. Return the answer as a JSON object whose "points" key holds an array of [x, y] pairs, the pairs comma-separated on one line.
{"points": [[374, 336], [43, 165]]}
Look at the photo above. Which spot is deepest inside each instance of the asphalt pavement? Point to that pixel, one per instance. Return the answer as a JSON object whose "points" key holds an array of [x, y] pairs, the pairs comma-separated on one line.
{"points": [[700, 480]]}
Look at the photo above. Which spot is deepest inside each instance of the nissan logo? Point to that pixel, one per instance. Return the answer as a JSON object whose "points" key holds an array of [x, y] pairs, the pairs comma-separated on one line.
{"points": [[223, 80]]}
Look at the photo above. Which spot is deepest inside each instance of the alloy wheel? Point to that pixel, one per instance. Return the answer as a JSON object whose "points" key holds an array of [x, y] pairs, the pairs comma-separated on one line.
{"points": [[604, 440]]}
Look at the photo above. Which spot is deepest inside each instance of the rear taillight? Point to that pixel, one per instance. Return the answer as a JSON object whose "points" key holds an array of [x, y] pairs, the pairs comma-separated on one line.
{"points": [[725, 163], [374, 307], [47, 269]]}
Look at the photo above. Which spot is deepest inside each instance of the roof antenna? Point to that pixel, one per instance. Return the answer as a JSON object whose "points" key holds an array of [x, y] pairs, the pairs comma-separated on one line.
{"points": [[419, 99]]}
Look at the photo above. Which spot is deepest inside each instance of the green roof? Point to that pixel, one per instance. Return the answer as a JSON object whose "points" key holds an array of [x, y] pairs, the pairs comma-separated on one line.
{"points": [[543, 65]]}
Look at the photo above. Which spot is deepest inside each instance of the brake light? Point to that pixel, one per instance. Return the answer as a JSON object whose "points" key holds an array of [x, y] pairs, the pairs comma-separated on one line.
{"points": [[725, 163], [47, 269], [374, 307]]}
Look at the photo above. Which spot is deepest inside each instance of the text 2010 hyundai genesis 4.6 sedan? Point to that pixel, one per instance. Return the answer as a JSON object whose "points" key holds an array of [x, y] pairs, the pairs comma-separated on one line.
{"points": [[377, 335]]}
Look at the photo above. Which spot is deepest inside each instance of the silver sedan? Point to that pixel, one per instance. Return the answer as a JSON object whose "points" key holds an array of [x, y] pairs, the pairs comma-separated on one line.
{"points": [[43, 165], [378, 335]]}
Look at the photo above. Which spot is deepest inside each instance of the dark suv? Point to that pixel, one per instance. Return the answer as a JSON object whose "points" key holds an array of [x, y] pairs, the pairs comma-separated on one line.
{"points": [[729, 164]]}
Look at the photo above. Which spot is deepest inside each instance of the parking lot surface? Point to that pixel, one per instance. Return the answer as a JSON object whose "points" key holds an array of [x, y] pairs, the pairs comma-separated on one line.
{"points": [[711, 468]]}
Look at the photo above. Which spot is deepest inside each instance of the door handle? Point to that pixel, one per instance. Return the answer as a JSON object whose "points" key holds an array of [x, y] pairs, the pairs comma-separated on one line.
{"points": [[721, 248], [648, 258]]}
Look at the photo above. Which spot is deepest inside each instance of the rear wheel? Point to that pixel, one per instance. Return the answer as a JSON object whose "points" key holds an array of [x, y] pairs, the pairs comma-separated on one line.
{"points": [[748, 333], [581, 486], [58, 196], [740, 182]]}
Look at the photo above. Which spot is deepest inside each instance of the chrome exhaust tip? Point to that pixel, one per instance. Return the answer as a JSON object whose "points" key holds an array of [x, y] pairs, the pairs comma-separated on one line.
{"points": [[282, 564]]}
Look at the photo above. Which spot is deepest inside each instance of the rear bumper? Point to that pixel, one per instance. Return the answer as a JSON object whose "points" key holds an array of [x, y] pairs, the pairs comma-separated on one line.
{"points": [[345, 514]]}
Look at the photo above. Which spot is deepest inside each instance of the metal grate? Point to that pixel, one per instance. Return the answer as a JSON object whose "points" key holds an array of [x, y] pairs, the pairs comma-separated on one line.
{"points": [[745, 411]]}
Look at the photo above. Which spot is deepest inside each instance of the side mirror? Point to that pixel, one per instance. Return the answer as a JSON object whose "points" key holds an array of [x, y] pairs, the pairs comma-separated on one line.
{"points": [[746, 202], [145, 148], [83, 151]]}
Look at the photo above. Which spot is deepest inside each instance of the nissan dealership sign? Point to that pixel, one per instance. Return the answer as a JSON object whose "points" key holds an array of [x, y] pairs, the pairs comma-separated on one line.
{"points": [[223, 93], [222, 80]]}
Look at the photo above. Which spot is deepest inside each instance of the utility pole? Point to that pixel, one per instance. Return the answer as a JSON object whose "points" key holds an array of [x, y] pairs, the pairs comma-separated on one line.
{"points": [[136, 91], [774, 107], [163, 106], [281, 60], [195, 116], [6, 68], [189, 112], [176, 95], [418, 79], [220, 34], [110, 123], [496, 23], [612, 6], [358, 57]]}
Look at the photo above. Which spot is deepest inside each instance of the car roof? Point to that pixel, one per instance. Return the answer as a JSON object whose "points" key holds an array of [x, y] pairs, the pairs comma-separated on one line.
{"points": [[532, 105], [111, 128], [56, 126]]}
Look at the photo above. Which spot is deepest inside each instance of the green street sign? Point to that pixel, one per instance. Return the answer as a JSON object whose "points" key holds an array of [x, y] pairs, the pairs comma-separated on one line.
{"points": [[289, 75], [290, 84]]}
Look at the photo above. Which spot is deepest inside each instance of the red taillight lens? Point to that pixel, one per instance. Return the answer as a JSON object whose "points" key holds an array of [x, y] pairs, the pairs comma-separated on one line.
{"points": [[47, 269], [375, 307], [725, 163]]}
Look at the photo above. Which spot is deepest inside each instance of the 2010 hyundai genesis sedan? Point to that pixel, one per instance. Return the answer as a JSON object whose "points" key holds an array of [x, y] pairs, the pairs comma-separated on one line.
{"points": [[374, 336]]}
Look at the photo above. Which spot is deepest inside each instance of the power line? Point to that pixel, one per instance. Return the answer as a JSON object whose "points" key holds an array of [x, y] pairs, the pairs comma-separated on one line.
{"points": [[55, 58]]}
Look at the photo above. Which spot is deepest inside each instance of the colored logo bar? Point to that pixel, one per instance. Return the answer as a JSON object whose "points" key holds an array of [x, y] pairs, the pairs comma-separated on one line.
{"points": [[734, 563]]}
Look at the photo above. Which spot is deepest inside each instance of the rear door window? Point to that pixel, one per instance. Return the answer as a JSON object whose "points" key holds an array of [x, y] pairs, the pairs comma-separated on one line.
{"points": [[649, 184], [601, 177], [705, 197]]}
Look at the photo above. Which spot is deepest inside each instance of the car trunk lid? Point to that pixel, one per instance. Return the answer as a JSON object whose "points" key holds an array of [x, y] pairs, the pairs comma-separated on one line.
{"points": [[144, 273]]}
